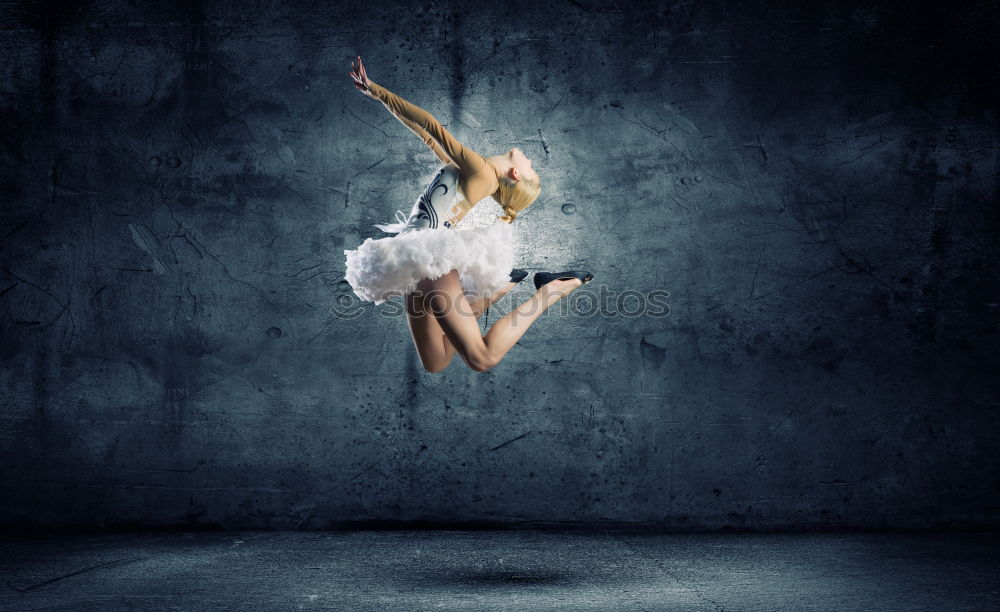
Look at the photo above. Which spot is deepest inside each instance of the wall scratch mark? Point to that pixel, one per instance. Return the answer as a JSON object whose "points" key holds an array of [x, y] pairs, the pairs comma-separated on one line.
{"points": [[509, 441]]}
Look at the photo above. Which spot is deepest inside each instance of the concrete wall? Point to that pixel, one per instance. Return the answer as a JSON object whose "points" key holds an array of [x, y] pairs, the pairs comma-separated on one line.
{"points": [[816, 188]]}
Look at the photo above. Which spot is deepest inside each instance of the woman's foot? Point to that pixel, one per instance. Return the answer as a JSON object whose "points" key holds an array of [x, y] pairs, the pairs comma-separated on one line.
{"points": [[542, 278], [517, 275], [560, 287]]}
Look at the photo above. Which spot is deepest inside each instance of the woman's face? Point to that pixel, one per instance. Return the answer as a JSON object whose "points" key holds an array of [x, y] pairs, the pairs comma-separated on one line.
{"points": [[522, 164]]}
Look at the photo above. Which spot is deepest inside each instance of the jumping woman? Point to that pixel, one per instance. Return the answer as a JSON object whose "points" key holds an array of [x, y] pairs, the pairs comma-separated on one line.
{"points": [[433, 265]]}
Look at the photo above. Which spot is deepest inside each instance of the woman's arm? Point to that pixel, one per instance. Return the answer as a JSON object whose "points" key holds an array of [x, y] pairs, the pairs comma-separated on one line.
{"points": [[423, 135], [430, 130]]}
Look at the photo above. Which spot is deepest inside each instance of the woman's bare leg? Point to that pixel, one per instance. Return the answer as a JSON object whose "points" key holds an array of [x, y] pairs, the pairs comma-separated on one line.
{"points": [[444, 298], [433, 347], [480, 306]]}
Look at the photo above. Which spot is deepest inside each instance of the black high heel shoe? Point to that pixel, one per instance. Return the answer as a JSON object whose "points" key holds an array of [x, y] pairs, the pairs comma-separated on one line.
{"points": [[517, 275], [541, 278]]}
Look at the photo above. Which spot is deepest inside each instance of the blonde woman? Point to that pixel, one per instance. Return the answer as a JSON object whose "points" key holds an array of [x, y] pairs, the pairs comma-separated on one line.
{"points": [[434, 265]]}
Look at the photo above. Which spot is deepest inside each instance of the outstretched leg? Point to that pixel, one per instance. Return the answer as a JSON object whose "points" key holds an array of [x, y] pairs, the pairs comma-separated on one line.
{"points": [[433, 347], [444, 298]]}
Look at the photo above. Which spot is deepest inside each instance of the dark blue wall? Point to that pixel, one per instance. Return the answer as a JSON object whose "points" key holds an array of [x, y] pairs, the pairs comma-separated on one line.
{"points": [[814, 185]]}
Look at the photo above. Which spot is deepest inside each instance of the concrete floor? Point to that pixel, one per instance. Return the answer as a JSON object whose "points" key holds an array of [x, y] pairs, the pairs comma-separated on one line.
{"points": [[507, 570]]}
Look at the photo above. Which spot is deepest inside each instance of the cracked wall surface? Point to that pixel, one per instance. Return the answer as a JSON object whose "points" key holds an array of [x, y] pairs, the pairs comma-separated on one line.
{"points": [[811, 190]]}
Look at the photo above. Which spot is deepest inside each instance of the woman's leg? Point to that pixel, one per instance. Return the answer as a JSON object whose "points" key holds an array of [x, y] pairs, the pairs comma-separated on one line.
{"points": [[444, 298], [433, 347], [480, 306]]}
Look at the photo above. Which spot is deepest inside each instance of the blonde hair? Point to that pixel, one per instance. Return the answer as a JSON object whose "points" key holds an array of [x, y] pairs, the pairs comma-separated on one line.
{"points": [[515, 196]]}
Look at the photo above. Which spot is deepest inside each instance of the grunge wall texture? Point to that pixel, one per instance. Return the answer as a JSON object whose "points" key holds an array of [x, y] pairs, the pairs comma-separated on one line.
{"points": [[814, 184]]}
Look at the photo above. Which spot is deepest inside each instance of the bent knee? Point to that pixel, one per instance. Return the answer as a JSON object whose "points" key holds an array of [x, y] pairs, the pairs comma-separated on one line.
{"points": [[483, 363], [435, 368]]}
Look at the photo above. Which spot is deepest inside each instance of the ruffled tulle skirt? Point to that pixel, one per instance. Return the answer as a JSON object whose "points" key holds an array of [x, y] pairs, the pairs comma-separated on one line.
{"points": [[381, 268]]}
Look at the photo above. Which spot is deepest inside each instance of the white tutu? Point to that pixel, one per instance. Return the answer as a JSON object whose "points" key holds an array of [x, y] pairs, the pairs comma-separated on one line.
{"points": [[383, 267]]}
